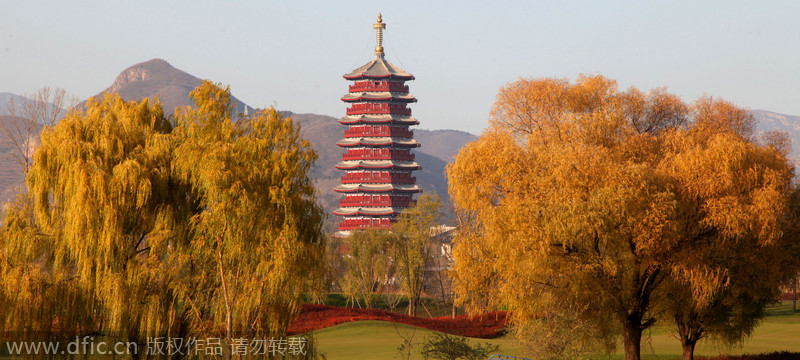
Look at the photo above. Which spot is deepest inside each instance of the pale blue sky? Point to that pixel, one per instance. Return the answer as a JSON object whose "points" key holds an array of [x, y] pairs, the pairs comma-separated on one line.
{"points": [[292, 54]]}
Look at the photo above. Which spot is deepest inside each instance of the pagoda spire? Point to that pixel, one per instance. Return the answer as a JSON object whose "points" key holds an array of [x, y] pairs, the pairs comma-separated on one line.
{"points": [[379, 26]]}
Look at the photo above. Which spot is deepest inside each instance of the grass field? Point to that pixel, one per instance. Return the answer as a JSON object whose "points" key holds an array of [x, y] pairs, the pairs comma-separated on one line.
{"points": [[367, 340]]}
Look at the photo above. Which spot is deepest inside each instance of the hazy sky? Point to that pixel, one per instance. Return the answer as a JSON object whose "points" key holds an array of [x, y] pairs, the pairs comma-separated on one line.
{"points": [[292, 54]]}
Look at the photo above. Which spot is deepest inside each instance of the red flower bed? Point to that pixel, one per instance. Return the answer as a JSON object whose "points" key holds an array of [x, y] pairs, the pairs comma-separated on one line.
{"points": [[314, 317], [784, 355]]}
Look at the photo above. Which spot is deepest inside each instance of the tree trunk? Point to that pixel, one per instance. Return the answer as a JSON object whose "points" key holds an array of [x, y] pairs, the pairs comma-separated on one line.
{"points": [[453, 316], [690, 331], [632, 337], [412, 307], [794, 294], [227, 299], [688, 349]]}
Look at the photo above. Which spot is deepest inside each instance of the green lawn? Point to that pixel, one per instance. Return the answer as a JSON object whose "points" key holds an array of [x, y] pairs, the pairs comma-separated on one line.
{"points": [[379, 340], [365, 340]]}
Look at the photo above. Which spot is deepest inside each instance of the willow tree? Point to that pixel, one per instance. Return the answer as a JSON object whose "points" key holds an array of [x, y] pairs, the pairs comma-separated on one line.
{"points": [[136, 229], [257, 229], [99, 183], [754, 249], [39, 302], [599, 196]]}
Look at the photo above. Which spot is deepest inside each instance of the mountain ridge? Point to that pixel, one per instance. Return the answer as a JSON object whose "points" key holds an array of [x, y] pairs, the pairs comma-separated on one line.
{"points": [[773, 121], [158, 78]]}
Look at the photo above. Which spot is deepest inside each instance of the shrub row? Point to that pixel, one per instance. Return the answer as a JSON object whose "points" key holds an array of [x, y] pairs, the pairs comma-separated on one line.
{"points": [[782, 355], [314, 317]]}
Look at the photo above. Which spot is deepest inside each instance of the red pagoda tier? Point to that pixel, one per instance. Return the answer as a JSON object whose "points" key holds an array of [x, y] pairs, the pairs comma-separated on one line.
{"points": [[377, 161]]}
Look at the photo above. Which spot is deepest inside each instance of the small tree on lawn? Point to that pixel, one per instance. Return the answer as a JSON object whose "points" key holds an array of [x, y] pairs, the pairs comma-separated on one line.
{"points": [[369, 265], [412, 250]]}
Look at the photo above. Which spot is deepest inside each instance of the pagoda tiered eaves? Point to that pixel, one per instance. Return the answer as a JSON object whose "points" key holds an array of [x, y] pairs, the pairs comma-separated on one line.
{"points": [[378, 141], [377, 164], [378, 184], [378, 96], [370, 211], [378, 119], [400, 188]]}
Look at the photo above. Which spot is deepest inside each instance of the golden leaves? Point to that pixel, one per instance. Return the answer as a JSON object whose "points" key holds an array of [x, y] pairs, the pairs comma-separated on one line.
{"points": [[715, 115], [606, 192], [144, 224], [258, 211]]}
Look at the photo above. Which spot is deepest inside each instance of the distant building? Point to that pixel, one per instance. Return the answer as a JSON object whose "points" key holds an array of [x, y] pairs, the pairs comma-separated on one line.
{"points": [[442, 242], [377, 184]]}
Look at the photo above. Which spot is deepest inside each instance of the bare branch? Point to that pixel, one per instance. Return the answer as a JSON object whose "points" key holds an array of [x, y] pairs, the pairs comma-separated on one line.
{"points": [[23, 127]]}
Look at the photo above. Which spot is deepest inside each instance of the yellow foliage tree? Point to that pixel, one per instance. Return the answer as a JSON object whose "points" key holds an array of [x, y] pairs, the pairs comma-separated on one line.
{"points": [[587, 199], [256, 230], [369, 265], [91, 230], [135, 229]]}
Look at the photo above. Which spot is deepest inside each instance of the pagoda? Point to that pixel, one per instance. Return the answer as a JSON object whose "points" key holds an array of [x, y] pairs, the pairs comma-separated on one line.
{"points": [[378, 162]]}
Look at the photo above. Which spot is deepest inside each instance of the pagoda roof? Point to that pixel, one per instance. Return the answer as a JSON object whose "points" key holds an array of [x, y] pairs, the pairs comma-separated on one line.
{"points": [[378, 95], [370, 211], [377, 141], [351, 188], [377, 164], [379, 68], [379, 118]]}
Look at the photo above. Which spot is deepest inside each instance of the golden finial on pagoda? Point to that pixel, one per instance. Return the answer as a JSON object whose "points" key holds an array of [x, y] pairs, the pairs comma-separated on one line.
{"points": [[379, 26]]}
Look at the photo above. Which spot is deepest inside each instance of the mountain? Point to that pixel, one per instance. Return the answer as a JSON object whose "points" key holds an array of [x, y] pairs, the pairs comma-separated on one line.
{"points": [[157, 78], [443, 144], [5, 103], [772, 121]]}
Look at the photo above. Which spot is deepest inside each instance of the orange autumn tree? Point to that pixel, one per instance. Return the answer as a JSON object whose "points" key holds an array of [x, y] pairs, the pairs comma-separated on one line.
{"points": [[755, 255], [587, 200]]}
